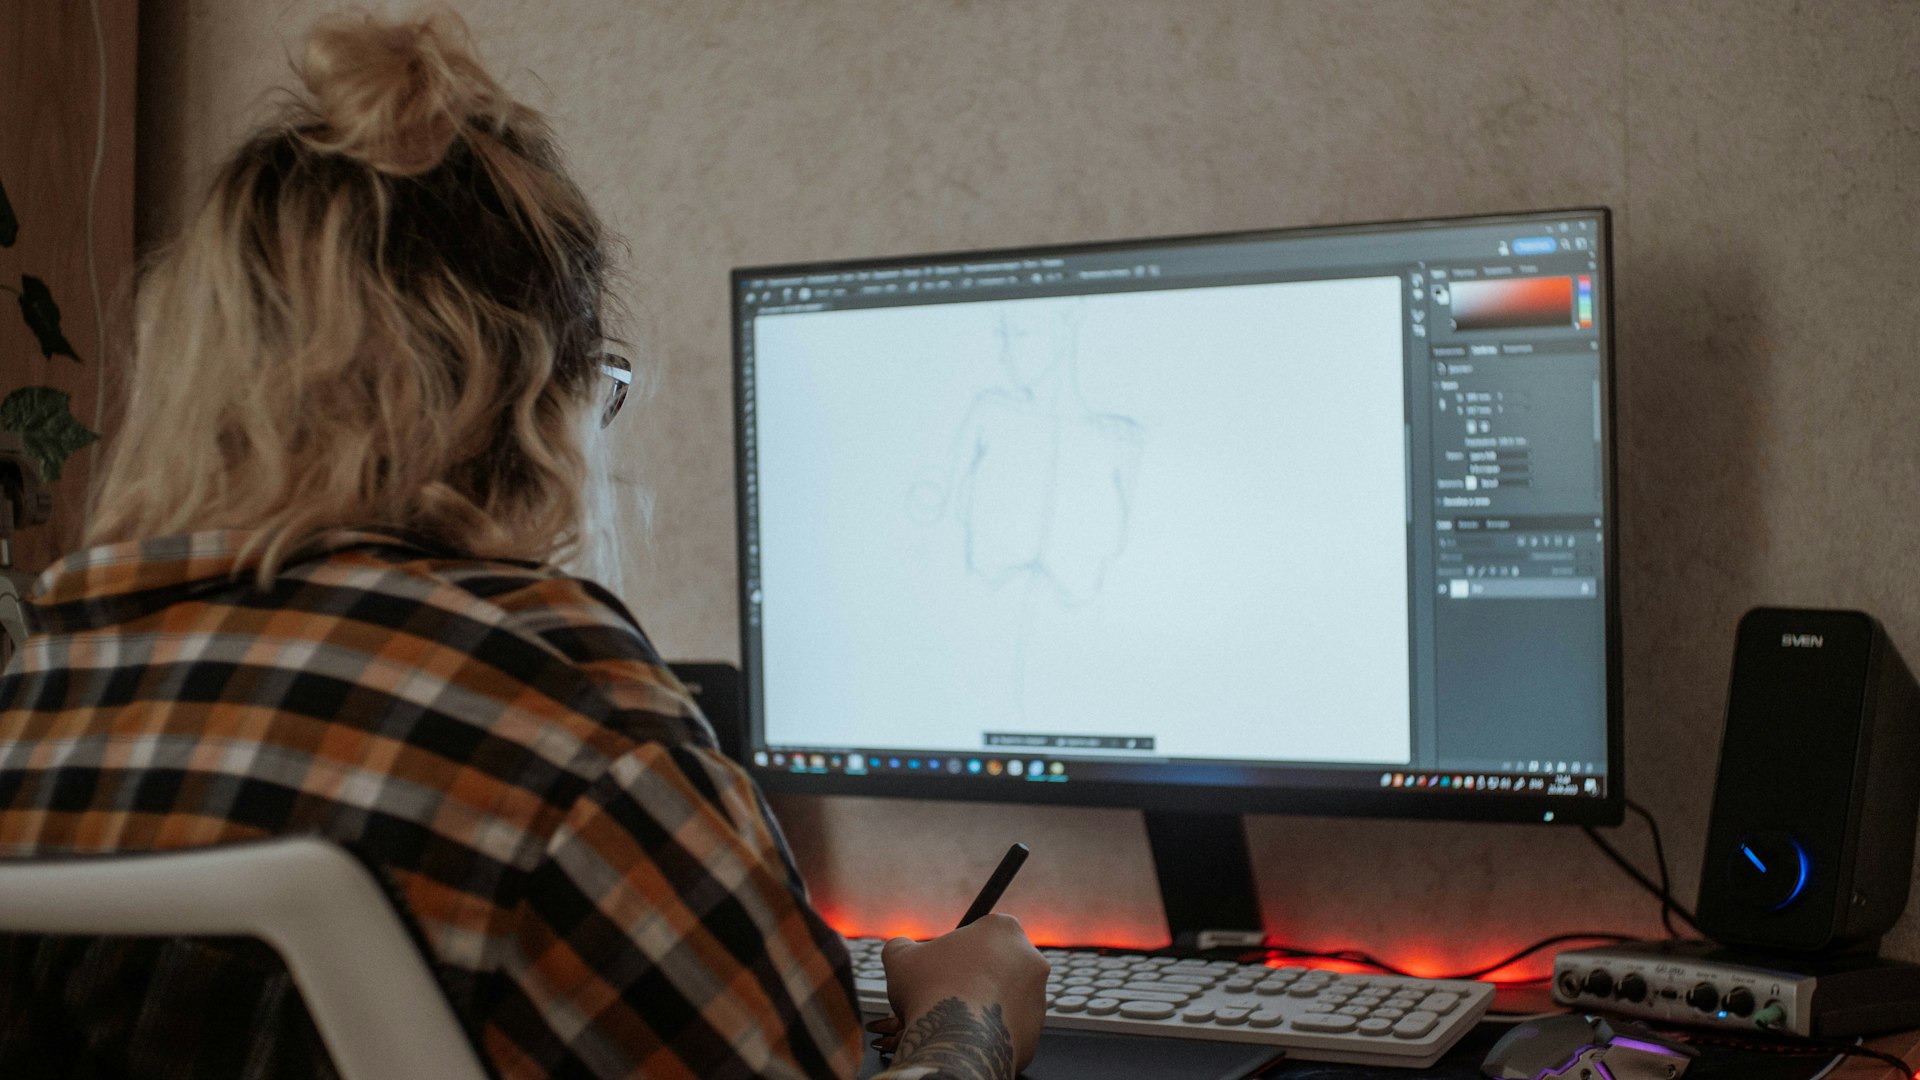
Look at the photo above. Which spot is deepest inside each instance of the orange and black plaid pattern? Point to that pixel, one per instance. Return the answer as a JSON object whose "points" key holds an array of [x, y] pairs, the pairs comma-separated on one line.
{"points": [[604, 894]]}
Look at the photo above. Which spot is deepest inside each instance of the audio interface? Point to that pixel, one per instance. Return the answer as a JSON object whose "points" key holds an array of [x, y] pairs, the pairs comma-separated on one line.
{"points": [[1701, 983]]}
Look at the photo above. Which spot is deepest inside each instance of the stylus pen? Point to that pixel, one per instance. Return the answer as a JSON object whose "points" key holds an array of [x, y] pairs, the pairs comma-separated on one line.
{"points": [[996, 885]]}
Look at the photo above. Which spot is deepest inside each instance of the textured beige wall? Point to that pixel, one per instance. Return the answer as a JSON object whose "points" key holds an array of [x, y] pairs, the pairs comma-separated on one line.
{"points": [[1762, 157]]}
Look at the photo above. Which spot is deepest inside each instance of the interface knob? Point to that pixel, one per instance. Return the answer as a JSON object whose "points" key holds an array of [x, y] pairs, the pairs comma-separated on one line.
{"points": [[1704, 996], [1600, 982], [1633, 988], [1740, 1001], [1569, 984]]}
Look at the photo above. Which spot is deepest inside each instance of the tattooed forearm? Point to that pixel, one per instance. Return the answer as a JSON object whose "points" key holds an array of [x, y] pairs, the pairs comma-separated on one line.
{"points": [[953, 1041]]}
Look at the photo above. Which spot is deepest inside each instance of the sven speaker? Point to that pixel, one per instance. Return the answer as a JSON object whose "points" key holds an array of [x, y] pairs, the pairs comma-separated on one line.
{"points": [[1810, 847]]}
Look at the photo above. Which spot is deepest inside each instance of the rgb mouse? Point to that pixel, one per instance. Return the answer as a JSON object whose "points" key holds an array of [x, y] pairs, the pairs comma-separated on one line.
{"points": [[1577, 1047]]}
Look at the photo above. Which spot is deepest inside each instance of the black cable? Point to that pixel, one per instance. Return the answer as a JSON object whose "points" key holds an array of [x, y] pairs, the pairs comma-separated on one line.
{"points": [[1900, 1065], [1786, 1044], [1667, 904], [1663, 890], [1366, 959]]}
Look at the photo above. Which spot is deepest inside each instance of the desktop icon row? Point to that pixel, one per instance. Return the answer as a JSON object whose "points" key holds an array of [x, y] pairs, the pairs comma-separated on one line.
{"points": [[1534, 785], [861, 764]]}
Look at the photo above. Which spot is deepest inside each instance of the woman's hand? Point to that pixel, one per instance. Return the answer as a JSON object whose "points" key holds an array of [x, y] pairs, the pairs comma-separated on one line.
{"points": [[968, 1004]]}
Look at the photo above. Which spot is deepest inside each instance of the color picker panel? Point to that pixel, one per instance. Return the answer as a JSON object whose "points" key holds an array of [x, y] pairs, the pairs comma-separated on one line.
{"points": [[1513, 304]]}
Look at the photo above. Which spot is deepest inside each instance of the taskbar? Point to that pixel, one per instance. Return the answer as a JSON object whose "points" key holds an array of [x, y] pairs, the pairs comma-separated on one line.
{"points": [[1569, 780], [912, 763]]}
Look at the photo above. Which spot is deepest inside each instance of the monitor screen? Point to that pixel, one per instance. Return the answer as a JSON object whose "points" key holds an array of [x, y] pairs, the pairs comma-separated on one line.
{"points": [[1314, 520]]}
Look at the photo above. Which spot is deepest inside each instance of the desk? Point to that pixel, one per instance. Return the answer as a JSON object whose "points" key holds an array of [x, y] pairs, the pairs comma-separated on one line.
{"points": [[1905, 1046], [1075, 1055], [1715, 1063]]}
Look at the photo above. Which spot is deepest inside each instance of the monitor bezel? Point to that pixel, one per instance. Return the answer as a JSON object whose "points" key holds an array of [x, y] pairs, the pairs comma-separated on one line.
{"points": [[1354, 802]]}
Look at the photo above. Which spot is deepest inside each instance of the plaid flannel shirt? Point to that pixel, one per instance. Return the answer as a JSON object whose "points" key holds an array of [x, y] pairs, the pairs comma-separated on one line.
{"points": [[603, 894]]}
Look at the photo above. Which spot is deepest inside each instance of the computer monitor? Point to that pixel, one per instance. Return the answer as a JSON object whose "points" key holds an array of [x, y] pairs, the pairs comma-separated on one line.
{"points": [[1310, 520]]}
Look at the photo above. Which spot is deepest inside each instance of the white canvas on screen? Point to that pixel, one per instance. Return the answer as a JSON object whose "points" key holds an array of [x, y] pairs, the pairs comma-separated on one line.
{"points": [[1178, 514]]}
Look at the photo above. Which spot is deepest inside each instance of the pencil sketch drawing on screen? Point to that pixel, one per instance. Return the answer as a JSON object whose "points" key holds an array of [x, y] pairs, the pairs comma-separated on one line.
{"points": [[1040, 482]]}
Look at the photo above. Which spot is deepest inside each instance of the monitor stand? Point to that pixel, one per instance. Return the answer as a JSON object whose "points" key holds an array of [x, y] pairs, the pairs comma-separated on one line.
{"points": [[1206, 879]]}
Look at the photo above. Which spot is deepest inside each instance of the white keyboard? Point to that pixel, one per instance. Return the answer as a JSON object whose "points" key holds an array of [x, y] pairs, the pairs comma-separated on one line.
{"points": [[1313, 1015]]}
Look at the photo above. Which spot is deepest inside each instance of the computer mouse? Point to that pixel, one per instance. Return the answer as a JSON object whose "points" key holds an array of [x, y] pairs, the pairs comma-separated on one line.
{"points": [[1575, 1047]]}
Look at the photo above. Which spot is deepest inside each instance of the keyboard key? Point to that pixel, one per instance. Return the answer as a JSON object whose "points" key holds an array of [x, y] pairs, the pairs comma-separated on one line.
{"points": [[1388, 1012], [1101, 1006], [1374, 1025], [1330, 1023], [1197, 1015], [1239, 986], [1415, 1024], [1265, 1018], [1231, 1016], [1192, 980], [1109, 984], [1270, 989], [1358, 1011], [1146, 1010], [1439, 1004], [1070, 1003], [1125, 995], [1169, 991]]}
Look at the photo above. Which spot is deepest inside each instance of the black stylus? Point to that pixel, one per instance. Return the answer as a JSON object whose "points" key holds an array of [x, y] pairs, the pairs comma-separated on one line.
{"points": [[996, 885]]}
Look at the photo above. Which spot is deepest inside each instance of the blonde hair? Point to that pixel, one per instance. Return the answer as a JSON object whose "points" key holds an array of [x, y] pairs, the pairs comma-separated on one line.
{"points": [[385, 315]]}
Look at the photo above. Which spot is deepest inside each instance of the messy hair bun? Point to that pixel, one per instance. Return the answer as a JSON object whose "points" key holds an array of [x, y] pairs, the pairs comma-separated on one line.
{"points": [[387, 313], [396, 94]]}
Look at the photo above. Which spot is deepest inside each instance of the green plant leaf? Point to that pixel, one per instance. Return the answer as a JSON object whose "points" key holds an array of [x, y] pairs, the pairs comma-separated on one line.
{"points": [[9, 225], [41, 416], [43, 318]]}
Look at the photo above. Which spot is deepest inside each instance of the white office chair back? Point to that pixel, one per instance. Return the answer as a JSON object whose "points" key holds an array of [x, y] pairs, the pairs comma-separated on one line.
{"points": [[377, 1006]]}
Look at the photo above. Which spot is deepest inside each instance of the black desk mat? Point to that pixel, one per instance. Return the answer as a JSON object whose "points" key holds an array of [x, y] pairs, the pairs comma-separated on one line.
{"points": [[1080, 1055], [1463, 1063], [1085, 1055]]}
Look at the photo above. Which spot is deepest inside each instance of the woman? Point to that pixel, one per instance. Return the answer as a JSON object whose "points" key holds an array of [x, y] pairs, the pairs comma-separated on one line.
{"points": [[318, 601]]}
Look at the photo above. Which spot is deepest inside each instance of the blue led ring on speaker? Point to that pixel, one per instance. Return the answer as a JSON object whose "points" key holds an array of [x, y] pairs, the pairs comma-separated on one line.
{"points": [[1800, 882], [1771, 869]]}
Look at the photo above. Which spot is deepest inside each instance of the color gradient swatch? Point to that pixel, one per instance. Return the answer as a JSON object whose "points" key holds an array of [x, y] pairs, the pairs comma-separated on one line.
{"points": [[1518, 303]]}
